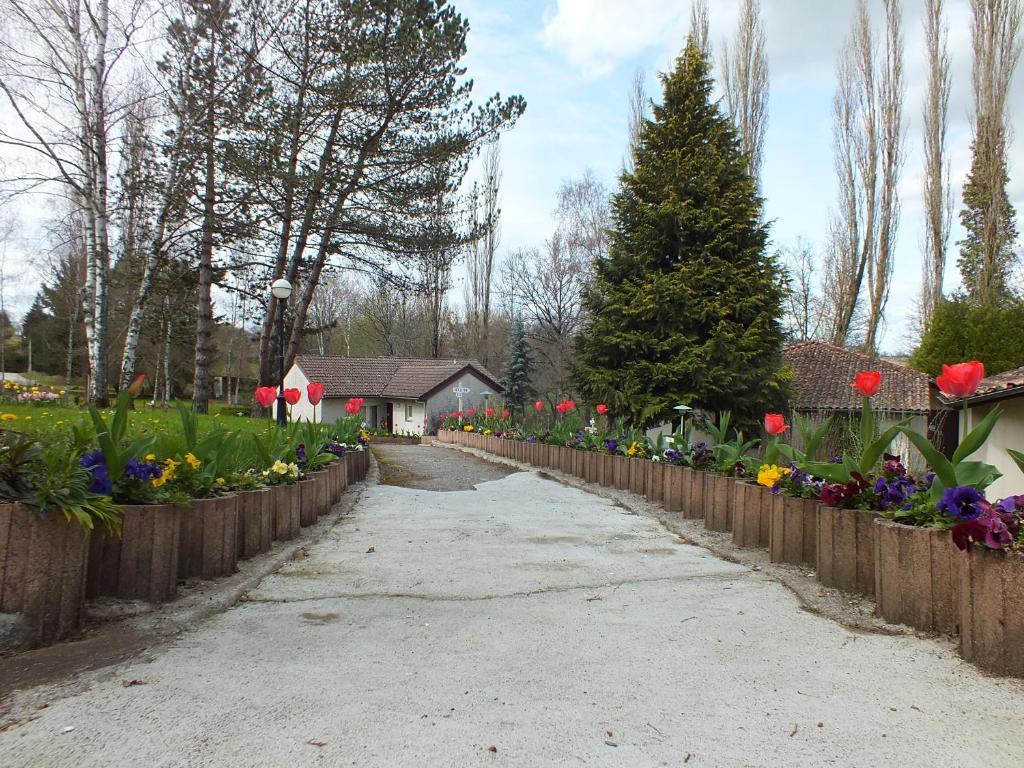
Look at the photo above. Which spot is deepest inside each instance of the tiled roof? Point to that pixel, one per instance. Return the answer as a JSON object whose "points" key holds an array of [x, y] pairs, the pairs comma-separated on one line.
{"points": [[1001, 382], [822, 374], [402, 377]]}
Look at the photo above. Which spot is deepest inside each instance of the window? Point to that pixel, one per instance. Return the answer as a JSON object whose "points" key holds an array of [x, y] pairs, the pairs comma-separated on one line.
{"points": [[408, 412]]}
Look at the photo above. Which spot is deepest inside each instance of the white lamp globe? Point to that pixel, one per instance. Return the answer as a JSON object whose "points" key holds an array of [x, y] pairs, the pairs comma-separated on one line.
{"points": [[281, 288]]}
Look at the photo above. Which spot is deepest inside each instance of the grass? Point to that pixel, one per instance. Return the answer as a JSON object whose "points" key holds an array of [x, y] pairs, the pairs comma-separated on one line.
{"points": [[44, 419]]}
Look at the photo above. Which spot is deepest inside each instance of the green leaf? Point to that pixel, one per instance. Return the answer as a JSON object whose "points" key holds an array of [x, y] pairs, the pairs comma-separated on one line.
{"points": [[977, 436], [834, 473], [944, 470], [976, 473], [811, 445], [873, 452], [1017, 457]]}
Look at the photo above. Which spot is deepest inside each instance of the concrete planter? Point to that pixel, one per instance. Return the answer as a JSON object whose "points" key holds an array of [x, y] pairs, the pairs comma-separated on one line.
{"points": [[141, 563], [793, 536], [846, 549], [751, 515], [917, 577], [207, 547], [256, 522], [696, 489], [42, 574], [284, 504], [992, 610], [718, 498]]}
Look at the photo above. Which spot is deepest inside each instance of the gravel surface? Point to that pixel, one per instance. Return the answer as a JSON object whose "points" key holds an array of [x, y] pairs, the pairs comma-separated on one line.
{"points": [[523, 623], [432, 468]]}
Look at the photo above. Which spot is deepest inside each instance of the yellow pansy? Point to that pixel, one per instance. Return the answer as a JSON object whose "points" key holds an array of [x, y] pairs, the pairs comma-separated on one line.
{"points": [[8, 417], [219, 481], [279, 468], [769, 474], [488, 432], [633, 448], [158, 481], [468, 428], [150, 457], [192, 461]]}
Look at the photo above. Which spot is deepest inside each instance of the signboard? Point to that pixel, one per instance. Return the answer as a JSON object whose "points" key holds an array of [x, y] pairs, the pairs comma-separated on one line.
{"points": [[460, 391]]}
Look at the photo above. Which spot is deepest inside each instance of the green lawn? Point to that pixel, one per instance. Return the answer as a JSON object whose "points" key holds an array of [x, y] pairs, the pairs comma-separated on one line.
{"points": [[41, 419]]}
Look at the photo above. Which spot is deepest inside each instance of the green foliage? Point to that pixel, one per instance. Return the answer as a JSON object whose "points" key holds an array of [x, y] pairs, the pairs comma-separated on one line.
{"points": [[518, 368], [111, 437], [686, 307], [871, 447], [964, 329]]}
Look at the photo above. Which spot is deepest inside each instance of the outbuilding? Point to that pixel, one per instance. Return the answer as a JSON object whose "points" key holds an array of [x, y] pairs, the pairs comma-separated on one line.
{"points": [[402, 395], [1006, 390]]}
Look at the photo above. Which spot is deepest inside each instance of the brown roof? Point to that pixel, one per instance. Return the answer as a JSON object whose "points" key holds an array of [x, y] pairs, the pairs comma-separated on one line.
{"points": [[1002, 381], [822, 374], [407, 378]]}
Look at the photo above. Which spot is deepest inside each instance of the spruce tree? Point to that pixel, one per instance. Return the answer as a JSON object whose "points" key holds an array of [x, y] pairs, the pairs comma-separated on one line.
{"points": [[686, 307], [518, 367]]}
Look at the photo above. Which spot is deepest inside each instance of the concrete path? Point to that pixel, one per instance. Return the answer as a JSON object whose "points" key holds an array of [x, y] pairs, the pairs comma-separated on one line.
{"points": [[523, 623]]}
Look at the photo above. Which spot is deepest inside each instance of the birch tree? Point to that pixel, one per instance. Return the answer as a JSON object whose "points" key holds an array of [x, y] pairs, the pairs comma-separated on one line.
{"points": [[937, 195], [745, 82]]}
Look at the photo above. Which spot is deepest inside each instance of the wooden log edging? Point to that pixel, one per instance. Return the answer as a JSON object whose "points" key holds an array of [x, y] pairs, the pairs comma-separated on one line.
{"points": [[43, 565], [793, 535], [846, 552], [719, 491], [991, 610], [917, 576], [751, 516], [141, 563]]}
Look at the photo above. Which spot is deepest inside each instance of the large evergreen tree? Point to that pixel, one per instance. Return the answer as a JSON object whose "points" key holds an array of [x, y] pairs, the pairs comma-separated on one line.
{"points": [[686, 307], [518, 367]]}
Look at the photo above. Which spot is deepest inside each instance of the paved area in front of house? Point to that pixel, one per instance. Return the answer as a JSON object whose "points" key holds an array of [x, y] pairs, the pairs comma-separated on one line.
{"points": [[523, 623]]}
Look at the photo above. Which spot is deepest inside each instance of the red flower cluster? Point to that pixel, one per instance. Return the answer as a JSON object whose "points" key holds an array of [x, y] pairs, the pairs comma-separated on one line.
{"points": [[506, 413], [354, 405], [961, 380], [565, 406], [471, 412], [539, 405], [489, 412]]}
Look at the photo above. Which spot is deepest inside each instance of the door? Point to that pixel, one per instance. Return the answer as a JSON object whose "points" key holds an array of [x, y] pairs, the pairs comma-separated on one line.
{"points": [[389, 418]]}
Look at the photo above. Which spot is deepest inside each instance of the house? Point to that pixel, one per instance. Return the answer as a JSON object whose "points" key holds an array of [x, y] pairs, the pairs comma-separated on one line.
{"points": [[402, 395], [1007, 390], [821, 377]]}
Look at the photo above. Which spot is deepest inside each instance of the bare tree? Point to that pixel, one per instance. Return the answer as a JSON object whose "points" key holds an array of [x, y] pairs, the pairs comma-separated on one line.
{"points": [[487, 221], [700, 25], [804, 306], [59, 71], [868, 132], [937, 194], [745, 82], [987, 254], [582, 218], [638, 111]]}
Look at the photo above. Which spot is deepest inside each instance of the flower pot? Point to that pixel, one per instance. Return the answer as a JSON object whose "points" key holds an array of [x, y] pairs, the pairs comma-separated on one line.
{"points": [[42, 573], [141, 563], [284, 503], [917, 576], [992, 610], [696, 485], [793, 534], [718, 498], [207, 547], [751, 515], [846, 549], [255, 523]]}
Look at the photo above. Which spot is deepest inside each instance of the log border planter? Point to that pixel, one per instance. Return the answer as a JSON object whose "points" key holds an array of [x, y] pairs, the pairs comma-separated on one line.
{"points": [[694, 488], [793, 534], [917, 577], [208, 546], [751, 515], [284, 502], [141, 563], [847, 549], [991, 611], [43, 564], [719, 491]]}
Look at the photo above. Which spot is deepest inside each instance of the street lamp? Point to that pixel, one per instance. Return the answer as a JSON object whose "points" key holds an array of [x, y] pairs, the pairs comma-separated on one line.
{"points": [[281, 289]]}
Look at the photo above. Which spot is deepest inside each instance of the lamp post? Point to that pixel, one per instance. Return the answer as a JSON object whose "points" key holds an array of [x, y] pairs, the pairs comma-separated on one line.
{"points": [[281, 289]]}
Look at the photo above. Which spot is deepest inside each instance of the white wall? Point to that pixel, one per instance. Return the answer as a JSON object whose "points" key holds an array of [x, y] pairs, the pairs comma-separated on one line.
{"points": [[445, 401], [1008, 433], [301, 411], [414, 425]]}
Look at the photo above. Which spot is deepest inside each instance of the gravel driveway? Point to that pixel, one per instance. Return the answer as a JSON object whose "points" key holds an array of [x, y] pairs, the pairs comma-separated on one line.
{"points": [[520, 623]]}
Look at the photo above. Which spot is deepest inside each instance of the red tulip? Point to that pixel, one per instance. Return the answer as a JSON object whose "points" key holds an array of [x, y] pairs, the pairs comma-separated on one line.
{"points": [[506, 413], [471, 412], [539, 405], [868, 382], [961, 380], [353, 406], [292, 395], [489, 412], [602, 408], [775, 424], [315, 392], [265, 396]]}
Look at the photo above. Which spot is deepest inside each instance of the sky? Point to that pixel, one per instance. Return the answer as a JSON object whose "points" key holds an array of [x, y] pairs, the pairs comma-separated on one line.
{"points": [[574, 61]]}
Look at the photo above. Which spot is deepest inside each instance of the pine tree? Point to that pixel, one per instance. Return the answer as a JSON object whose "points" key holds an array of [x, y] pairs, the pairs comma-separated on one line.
{"points": [[686, 307], [518, 367]]}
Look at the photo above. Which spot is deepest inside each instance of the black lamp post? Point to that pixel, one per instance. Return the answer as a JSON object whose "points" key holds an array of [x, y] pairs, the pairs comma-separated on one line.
{"points": [[281, 289]]}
